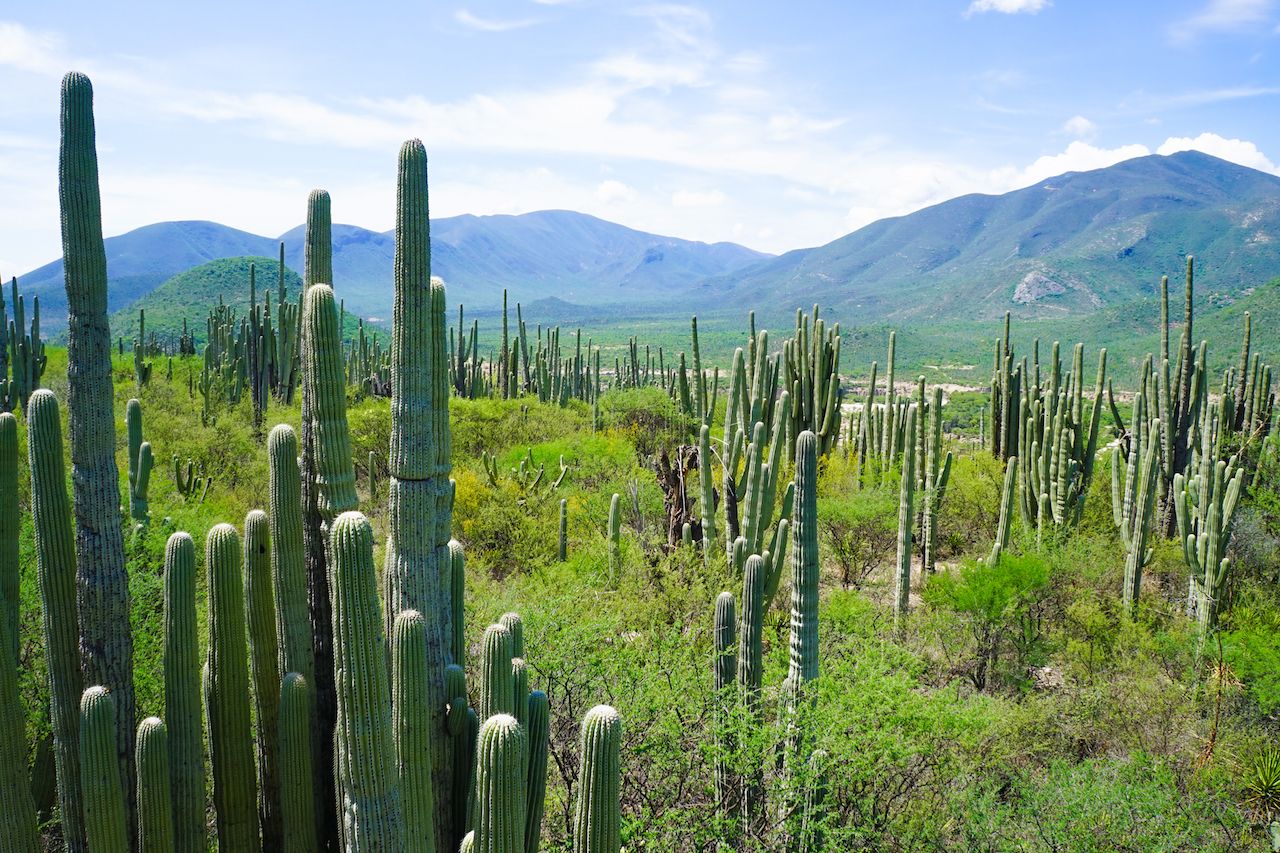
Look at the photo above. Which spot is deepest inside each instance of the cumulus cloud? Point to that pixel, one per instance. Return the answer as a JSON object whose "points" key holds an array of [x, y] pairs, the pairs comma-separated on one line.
{"points": [[1006, 7], [1079, 127], [1235, 150], [611, 191]]}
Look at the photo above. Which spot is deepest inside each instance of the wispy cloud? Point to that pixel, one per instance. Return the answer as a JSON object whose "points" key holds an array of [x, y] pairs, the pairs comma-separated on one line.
{"points": [[492, 25], [1199, 97], [1007, 7], [1222, 16]]}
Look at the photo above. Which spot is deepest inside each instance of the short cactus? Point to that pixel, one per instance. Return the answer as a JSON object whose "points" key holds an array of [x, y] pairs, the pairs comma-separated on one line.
{"points": [[106, 822], [155, 807], [537, 724], [615, 534], [501, 786], [297, 800], [597, 825], [497, 688]]}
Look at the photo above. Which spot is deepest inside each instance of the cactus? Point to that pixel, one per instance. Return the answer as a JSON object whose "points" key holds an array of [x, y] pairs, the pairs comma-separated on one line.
{"points": [[371, 809], [519, 688], [10, 524], [56, 568], [805, 568], [235, 790], [457, 584], [812, 362], [597, 824], [1006, 510], [726, 675], [140, 462], [106, 646], [17, 807], [537, 724], [141, 367], [751, 668], [297, 800], [106, 819], [419, 567], [182, 696], [464, 768], [265, 670], [562, 551], [1134, 515], [155, 807], [906, 517], [496, 684], [410, 719], [936, 475], [707, 486], [615, 535], [293, 632], [501, 786]]}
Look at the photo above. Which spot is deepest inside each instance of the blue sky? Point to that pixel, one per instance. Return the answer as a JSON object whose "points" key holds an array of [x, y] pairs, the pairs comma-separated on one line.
{"points": [[774, 125]]}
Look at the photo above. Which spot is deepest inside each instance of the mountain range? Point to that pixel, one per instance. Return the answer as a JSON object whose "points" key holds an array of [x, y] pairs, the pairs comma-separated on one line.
{"points": [[1067, 247]]}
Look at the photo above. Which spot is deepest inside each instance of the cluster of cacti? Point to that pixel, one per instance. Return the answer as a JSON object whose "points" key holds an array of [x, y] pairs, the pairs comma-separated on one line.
{"points": [[877, 435], [812, 363], [528, 475], [1254, 399], [22, 360], [368, 364], [697, 397], [141, 367], [935, 476], [1134, 465], [189, 484], [906, 521]]}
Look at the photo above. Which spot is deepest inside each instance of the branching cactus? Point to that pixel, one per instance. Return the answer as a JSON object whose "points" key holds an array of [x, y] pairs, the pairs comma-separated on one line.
{"points": [[106, 645], [597, 825], [56, 570], [372, 817], [297, 800], [185, 736], [155, 806], [106, 820], [265, 669], [140, 462], [538, 727], [235, 790], [1134, 517]]}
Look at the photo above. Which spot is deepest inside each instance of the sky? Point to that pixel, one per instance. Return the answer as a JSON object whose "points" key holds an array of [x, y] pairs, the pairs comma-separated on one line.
{"points": [[775, 125]]}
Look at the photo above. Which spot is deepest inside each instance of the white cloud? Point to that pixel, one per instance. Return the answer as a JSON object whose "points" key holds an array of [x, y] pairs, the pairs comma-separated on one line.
{"points": [[1007, 7], [698, 198], [1222, 16], [1079, 157], [1235, 150], [27, 50], [492, 25], [1080, 127], [610, 191]]}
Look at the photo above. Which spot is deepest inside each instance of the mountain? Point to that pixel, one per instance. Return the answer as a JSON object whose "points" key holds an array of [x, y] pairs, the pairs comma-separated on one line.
{"points": [[558, 254], [1068, 245]]}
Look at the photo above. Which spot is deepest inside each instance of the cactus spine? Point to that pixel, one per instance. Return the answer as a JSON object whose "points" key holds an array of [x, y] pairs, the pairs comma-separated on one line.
{"points": [[371, 809], [182, 696], [265, 669], [297, 800], [597, 825], [410, 718], [538, 727], [501, 787], [155, 807], [56, 568], [106, 646], [906, 517], [235, 794], [419, 567], [106, 820]]}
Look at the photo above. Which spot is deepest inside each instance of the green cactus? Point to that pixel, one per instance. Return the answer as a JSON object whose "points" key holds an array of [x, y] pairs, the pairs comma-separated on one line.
{"points": [[185, 740], [725, 675], [326, 388], [141, 367], [537, 725], [410, 719], [812, 361], [106, 819], [140, 462], [297, 801], [1006, 510], [615, 534], [464, 768], [501, 786], [468, 843], [56, 570], [496, 684], [10, 524], [751, 670], [937, 473], [597, 825], [562, 552], [106, 645], [457, 583], [155, 807], [293, 633], [265, 671], [1134, 514], [17, 807], [906, 518], [235, 790], [372, 817], [805, 567]]}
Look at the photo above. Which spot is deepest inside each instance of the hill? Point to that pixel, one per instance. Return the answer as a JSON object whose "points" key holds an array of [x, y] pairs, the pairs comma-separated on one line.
{"points": [[1068, 245]]}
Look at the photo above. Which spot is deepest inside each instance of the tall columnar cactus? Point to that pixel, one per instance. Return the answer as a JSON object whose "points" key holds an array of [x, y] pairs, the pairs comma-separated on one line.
{"points": [[457, 584], [1007, 498], [288, 567], [10, 524], [106, 645], [419, 563], [937, 473], [182, 696], [725, 676], [372, 817], [106, 819], [812, 361], [17, 807], [751, 669], [805, 568], [906, 518], [265, 670], [56, 569], [335, 477], [497, 690], [297, 800], [597, 825], [235, 790], [562, 551], [707, 487], [537, 724], [140, 462], [1134, 513], [410, 718], [501, 789], [464, 769], [615, 534], [155, 806]]}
